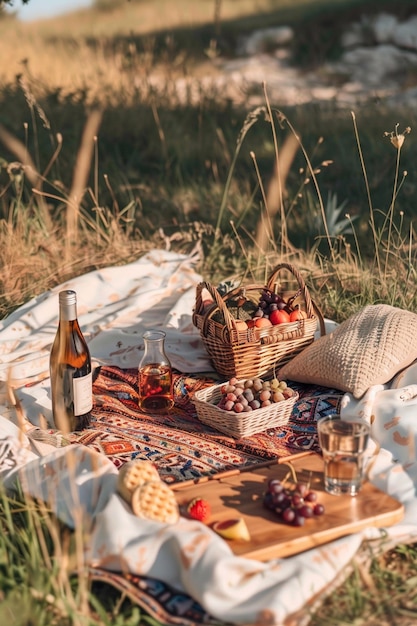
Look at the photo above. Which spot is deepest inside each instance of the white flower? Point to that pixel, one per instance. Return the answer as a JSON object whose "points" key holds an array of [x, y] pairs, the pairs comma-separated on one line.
{"points": [[397, 139]]}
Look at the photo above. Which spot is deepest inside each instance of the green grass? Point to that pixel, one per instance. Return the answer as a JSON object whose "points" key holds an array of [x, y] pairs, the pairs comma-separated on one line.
{"points": [[164, 172]]}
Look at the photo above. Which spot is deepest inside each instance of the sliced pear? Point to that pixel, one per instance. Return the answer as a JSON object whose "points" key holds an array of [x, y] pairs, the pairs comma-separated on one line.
{"points": [[232, 529]]}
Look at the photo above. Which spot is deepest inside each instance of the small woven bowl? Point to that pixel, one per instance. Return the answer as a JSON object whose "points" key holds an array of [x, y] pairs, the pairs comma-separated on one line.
{"points": [[243, 424]]}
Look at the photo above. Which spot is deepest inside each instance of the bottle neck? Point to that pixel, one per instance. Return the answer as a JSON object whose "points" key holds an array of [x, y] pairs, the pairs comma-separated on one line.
{"points": [[67, 313], [67, 306], [154, 346]]}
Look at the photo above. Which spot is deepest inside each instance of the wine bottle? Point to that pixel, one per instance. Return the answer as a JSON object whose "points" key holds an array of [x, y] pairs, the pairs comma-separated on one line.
{"points": [[70, 369]]}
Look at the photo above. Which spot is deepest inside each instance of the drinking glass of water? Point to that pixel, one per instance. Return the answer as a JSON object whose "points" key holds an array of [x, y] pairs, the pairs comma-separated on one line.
{"points": [[343, 444]]}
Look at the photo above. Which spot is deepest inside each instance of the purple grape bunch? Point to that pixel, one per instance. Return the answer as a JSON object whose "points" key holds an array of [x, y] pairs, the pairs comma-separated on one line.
{"points": [[293, 504], [268, 302]]}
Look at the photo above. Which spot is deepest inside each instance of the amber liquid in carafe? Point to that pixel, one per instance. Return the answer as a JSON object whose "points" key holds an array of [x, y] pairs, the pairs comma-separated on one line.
{"points": [[155, 384]]}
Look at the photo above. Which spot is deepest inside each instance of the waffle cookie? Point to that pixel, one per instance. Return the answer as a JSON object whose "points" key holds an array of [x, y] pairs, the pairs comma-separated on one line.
{"points": [[133, 474], [154, 500]]}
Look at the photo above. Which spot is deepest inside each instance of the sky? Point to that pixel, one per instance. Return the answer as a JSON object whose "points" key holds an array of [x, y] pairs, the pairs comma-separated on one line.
{"points": [[37, 9]]}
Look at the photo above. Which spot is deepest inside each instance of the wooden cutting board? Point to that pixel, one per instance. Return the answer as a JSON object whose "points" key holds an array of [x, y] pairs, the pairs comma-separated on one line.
{"points": [[240, 494]]}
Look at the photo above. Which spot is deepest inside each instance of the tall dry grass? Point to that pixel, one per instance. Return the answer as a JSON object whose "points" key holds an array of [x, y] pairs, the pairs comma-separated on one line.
{"points": [[343, 274]]}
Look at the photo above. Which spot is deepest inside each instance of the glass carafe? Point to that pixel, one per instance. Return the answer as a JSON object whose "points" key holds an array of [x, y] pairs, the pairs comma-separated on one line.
{"points": [[155, 375]]}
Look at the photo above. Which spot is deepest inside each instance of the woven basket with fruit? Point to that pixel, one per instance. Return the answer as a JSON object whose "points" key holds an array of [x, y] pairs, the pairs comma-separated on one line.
{"points": [[240, 408], [254, 329]]}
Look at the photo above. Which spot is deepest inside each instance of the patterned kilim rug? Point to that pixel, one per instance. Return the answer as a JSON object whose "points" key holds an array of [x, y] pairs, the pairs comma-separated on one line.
{"points": [[182, 448], [159, 600]]}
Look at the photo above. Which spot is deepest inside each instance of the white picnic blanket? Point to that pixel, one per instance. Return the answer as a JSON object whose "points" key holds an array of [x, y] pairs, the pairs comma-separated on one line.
{"points": [[115, 306]]}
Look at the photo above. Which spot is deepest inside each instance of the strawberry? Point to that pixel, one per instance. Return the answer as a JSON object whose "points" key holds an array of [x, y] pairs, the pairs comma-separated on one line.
{"points": [[199, 509]]}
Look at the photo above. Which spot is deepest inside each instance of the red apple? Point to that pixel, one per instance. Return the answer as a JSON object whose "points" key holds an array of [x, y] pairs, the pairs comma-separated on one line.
{"points": [[279, 317]]}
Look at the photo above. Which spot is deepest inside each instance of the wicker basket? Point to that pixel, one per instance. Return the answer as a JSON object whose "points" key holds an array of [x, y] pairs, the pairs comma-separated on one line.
{"points": [[244, 424], [253, 351]]}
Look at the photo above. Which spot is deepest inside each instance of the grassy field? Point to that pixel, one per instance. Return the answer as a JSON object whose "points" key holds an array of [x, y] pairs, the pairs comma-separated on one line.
{"points": [[96, 167]]}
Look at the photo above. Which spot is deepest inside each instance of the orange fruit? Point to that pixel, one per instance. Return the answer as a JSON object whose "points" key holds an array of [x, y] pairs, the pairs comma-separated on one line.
{"points": [[297, 314], [262, 322], [279, 317]]}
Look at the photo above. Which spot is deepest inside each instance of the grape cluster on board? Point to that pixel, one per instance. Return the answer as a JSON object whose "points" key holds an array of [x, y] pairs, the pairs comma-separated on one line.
{"points": [[252, 394], [293, 504]]}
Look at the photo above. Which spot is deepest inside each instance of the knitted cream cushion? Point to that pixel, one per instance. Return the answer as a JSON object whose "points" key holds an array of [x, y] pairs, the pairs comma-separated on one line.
{"points": [[369, 348]]}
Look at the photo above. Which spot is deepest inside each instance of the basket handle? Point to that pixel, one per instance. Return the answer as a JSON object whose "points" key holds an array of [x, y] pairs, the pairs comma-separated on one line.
{"points": [[219, 303], [304, 291], [311, 306], [320, 318]]}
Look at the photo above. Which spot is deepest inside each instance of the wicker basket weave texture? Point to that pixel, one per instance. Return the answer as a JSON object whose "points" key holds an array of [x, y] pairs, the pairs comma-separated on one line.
{"points": [[238, 425], [254, 351]]}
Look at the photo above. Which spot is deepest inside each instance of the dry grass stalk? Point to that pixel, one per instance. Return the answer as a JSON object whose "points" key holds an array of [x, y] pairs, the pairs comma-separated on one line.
{"points": [[81, 172], [16, 147], [276, 190]]}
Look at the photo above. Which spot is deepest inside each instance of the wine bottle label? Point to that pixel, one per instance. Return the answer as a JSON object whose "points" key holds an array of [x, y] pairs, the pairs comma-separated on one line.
{"points": [[83, 395]]}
